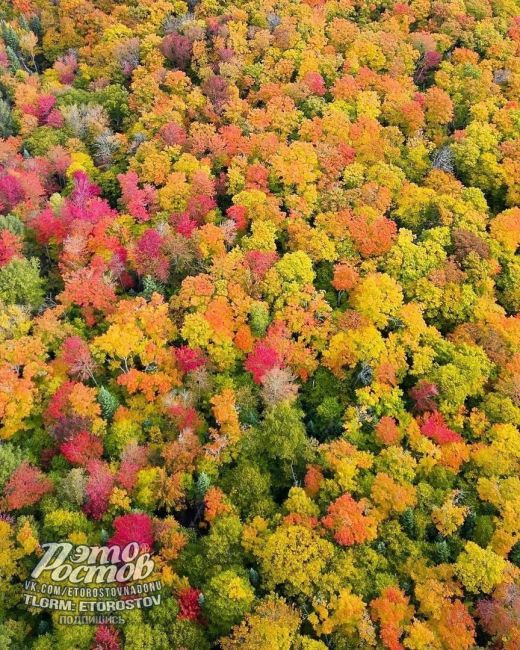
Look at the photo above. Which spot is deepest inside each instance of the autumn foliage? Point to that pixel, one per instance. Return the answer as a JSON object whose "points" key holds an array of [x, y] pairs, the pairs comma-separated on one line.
{"points": [[259, 295]]}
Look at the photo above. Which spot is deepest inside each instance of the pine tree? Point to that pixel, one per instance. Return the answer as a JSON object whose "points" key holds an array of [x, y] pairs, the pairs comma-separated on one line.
{"points": [[202, 485], [108, 403], [150, 286], [408, 521], [441, 552], [514, 555], [7, 126]]}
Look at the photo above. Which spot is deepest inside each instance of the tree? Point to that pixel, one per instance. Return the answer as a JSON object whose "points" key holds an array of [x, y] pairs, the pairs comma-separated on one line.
{"points": [[132, 528], [25, 487], [273, 623], [392, 611], [294, 558], [347, 519], [227, 598], [377, 297], [479, 569], [20, 283]]}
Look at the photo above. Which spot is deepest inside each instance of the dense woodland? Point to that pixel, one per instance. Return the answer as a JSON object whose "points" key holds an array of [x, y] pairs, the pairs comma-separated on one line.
{"points": [[259, 287]]}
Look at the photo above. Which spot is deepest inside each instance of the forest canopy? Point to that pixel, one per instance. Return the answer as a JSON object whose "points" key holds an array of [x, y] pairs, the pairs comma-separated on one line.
{"points": [[259, 293]]}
